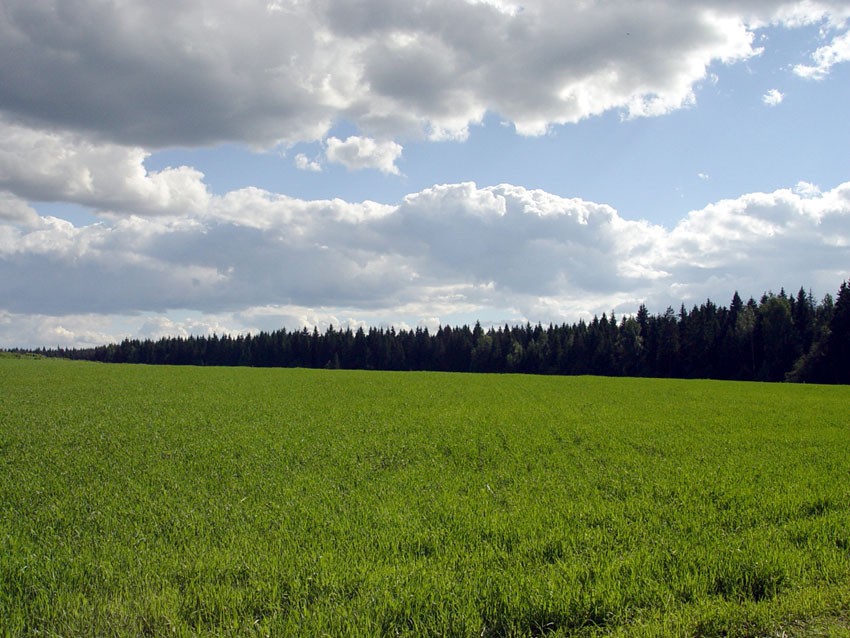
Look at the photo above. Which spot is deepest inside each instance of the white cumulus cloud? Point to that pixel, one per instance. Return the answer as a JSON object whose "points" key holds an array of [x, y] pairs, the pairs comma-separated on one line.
{"points": [[357, 153], [304, 163], [825, 57], [14, 209], [60, 166], [773, 97]]}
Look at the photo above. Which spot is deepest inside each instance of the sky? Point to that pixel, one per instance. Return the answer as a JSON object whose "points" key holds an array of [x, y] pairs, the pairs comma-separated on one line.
{"points": [[187, 167]]}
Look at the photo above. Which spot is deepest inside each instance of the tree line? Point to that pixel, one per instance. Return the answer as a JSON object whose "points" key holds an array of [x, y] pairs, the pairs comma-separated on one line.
{"points": [[779, 338]]}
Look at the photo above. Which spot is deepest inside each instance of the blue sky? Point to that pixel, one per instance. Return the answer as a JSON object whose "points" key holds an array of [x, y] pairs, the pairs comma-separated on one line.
{"points": [[225, 167]]}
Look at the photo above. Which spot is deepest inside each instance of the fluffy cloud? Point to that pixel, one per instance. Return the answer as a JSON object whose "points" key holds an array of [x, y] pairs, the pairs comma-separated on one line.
{"points": [[158, 74], [304, 163], [51, 166], [826, 57], [15, 210], [773, 97], [357, 153], [762, 240], [253, 259]]}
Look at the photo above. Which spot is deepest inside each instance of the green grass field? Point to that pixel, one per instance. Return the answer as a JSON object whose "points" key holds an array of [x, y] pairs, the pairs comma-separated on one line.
{"points": [[210, 501]]}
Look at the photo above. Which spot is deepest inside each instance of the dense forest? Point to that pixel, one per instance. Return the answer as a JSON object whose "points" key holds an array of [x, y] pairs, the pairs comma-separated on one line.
{"points": [[779, 338]]}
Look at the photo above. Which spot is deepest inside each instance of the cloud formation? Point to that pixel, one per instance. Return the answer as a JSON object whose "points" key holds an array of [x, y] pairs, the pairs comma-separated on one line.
{"points": [[14, 209], [826, 57], [44, 165], [356, 153], [446, 251], [89, 89], [158, 74], [304, 163], [773, 97]]}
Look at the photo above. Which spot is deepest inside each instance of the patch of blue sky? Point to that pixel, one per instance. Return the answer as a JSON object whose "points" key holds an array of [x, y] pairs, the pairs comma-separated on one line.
{"points": [[77, 214]]}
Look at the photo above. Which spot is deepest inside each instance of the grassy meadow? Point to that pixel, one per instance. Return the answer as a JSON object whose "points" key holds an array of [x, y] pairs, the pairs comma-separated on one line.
{"points": [[271, 502]]}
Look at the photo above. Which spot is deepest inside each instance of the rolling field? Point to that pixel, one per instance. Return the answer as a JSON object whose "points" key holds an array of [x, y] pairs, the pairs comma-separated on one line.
{"points": [[218, 501]]}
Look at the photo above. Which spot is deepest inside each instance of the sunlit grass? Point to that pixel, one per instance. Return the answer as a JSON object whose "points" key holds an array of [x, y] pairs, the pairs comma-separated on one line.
{"points": [[185, 501]]}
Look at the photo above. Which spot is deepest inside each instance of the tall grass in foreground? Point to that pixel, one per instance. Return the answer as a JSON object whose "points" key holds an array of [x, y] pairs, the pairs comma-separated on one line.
{"points": [[205, 501]]}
